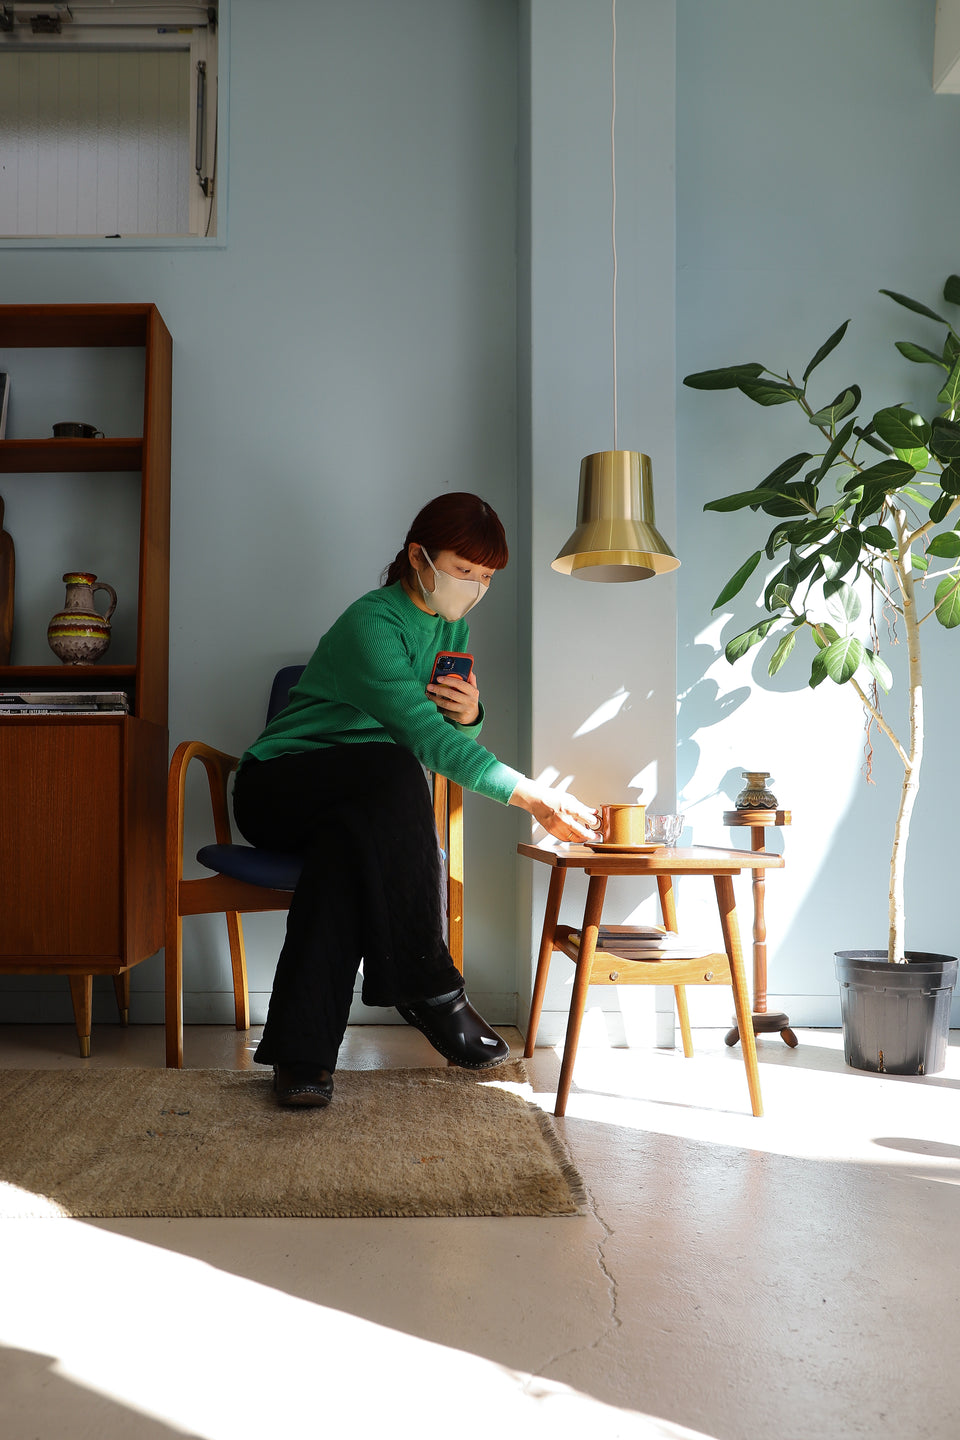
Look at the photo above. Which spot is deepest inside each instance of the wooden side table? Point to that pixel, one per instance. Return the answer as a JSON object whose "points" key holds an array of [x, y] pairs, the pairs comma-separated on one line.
{"points": [[764, 1022], [596, 967]]}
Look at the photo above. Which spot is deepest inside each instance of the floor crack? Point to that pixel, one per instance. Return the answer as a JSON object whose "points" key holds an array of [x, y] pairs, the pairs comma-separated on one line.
{"points": [[613, 1322]]}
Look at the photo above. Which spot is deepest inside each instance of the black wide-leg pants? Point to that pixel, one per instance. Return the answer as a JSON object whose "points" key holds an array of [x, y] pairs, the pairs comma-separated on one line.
{"points": [[362, 816]]}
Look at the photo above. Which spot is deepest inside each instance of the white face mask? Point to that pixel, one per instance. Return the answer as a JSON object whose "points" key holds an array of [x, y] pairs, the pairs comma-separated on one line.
{"points": [[451, 597]]}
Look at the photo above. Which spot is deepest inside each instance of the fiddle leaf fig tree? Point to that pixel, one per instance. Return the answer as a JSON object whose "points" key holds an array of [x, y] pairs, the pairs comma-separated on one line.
{"points": [[870, 509]]}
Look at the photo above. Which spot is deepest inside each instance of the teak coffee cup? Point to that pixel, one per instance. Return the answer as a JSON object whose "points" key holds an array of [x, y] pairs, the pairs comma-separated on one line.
{"points": [[623, 824]]}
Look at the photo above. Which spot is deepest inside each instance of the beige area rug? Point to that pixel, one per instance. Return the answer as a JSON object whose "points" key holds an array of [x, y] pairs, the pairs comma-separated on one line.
{"points": [[125, 1142]]}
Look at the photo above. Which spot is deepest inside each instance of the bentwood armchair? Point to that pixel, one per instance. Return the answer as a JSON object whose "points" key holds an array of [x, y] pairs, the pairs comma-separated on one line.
{"points": [[244, 879]]}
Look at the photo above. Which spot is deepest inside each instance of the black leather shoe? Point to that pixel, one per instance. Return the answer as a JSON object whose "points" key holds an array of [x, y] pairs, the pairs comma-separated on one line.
{"points": [[303, 1085], [458, 1032]]}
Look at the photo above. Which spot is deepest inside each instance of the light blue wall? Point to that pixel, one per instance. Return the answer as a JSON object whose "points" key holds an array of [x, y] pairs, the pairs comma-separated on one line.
{"points": [[603, 657], [355, 346], [814, 165], [349, 354]]}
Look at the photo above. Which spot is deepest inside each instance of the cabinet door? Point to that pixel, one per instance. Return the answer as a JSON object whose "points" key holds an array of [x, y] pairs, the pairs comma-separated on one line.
{"points": [[60, 828]]}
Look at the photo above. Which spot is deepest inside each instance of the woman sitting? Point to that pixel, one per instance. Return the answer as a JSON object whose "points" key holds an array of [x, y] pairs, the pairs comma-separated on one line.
{"points": [[338, 775]]}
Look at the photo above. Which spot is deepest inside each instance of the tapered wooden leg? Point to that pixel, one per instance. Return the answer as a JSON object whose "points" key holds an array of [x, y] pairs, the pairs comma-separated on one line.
{"points": [[726, 902], [683, 1015], [550, 918], [668, 913], [238, 964], [173, 989], [578, 1001], [81, 993], [121, 988], [668, 902]]}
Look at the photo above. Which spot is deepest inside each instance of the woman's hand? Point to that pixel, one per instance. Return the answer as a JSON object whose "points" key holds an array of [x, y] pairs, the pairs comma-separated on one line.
{"points": [[561, 814], [457, 698]]}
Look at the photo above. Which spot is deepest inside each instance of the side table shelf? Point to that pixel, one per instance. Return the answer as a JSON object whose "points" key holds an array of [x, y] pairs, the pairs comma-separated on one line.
{"points": [[764, 1022]]}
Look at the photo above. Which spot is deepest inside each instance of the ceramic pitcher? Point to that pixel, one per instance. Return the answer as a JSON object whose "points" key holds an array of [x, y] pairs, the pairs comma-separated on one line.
{"points": [[78, 633]]}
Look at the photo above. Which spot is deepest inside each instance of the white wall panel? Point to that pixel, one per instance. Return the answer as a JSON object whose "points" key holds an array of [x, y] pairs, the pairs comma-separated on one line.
{"points": [[95, 143]]}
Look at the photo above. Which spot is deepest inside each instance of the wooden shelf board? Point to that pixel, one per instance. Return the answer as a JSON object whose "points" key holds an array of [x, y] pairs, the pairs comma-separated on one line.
{"points": [[20, 674], [21, 457], [37, 326]]}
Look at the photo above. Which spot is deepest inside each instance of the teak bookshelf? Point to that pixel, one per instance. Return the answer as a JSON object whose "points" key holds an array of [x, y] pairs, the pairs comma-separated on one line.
{"points": [[82, 797]]}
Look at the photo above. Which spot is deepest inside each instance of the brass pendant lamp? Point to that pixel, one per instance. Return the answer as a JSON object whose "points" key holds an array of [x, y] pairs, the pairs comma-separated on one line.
{"points": [[616, 538]]}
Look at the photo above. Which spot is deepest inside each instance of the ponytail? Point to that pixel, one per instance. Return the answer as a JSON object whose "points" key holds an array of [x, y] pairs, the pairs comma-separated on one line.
{"points": [[397, 569]]}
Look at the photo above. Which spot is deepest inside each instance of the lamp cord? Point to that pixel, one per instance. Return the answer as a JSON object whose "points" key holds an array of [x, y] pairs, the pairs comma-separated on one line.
{"points": [[613, 217]]}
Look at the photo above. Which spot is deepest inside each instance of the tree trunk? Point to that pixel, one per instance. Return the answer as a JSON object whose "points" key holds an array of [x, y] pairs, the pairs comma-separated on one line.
{"points": [[896, 941]]}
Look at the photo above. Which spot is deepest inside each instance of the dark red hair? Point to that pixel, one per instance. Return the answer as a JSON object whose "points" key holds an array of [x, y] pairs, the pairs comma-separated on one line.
{"points": [[459, 522]]}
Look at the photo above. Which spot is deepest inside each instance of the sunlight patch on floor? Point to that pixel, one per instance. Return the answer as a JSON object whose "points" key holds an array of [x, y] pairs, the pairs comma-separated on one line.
{"points": [[221, 1357], [815, 1106]]}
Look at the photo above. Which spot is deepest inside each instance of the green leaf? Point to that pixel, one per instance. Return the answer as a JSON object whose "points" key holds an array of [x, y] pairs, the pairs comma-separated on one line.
{"points": [[836, 445], [818, 671], [781, 595], [915, 306], [865, 432], [945, 438], [951, 290], [947, 602], [741, 500], [841, 405], [830, 633], [951, 390], [919, 354], [769, 392], [951, 349], [903, 429], [785, 471], [781, 655], [888, 474], [798, 499], [843, 658], [736, 582], [841, 554], [950, 479], [919, 562], [781, 588], [805, 567], [816, 530], [879, 536], [727, 378], [842, 600], [825, 349], [946, 546], [940, 508], [879, 670], [740, 644]]}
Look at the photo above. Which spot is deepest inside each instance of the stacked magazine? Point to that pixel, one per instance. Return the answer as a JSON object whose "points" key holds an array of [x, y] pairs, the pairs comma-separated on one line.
{"points": [[643, 942], [63, 702]]}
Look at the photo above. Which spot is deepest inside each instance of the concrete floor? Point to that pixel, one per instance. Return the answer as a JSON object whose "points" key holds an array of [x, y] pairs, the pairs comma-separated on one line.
{"points": [[795, 1276]]}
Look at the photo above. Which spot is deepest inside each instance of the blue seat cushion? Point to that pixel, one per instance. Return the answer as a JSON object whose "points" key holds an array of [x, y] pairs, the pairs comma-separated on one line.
{"points": [[273, 869]]}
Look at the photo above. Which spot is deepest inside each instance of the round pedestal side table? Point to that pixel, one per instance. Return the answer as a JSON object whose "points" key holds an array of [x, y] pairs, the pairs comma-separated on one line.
{"points": [[764, 1022]]}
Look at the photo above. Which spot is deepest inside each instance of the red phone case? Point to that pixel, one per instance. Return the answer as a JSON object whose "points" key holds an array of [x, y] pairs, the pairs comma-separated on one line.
{"points": [[455, 654]]}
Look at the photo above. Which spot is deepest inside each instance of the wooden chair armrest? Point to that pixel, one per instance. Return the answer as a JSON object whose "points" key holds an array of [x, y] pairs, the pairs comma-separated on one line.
{"points": [[218, 766]]}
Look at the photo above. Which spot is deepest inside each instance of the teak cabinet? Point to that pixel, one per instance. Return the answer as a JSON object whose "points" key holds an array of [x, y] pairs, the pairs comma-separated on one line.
{"points": [[82, 797]]}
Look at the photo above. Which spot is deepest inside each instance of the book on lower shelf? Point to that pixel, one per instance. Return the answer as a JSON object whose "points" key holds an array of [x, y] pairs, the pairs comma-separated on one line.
{"points": [[643, 942], [63, 702]]}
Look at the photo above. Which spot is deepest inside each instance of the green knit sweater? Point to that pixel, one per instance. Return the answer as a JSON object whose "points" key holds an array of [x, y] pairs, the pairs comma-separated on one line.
{"points": [[366, 681]]}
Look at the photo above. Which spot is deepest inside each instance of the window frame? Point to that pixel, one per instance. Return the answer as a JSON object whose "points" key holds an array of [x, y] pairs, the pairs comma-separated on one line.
{"points": [[205, 44]]}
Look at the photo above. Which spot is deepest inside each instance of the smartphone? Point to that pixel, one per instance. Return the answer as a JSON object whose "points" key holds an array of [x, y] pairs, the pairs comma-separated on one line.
{"points": [[452, 662]]}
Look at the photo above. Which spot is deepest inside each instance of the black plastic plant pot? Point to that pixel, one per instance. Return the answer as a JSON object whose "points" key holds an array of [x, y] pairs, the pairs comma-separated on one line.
{"points": [[896, 1018]]}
